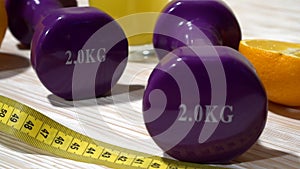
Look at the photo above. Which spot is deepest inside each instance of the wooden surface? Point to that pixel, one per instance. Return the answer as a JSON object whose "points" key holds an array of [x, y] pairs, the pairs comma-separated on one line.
{"points": [[118, 120]]}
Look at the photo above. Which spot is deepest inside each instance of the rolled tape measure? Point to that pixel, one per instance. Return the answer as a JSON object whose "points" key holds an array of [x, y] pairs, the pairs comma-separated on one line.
{"points": [[37, 130]]}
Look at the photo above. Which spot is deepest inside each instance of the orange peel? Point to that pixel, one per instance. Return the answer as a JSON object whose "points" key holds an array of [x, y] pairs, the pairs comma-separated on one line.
{"points": [[278, 66]]}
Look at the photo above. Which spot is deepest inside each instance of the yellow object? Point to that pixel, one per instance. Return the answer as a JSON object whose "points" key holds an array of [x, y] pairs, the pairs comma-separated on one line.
{"points": [[3, 20], [122, 8], [278, 66], [39, 131]]}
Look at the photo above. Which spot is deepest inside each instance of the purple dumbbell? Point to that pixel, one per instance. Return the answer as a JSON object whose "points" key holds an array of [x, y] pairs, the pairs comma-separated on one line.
{"points": [[203, 103], [22, 26], [77, 52]]}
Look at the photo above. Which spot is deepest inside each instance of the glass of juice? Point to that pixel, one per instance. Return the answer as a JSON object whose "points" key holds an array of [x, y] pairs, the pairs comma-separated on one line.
{"points": [[137, 18]]}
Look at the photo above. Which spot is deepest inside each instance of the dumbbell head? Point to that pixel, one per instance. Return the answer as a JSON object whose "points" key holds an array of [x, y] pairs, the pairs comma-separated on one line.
{"points": [[25, 14], [215, 20], [204, 104], [77, 53], [82, 38]]}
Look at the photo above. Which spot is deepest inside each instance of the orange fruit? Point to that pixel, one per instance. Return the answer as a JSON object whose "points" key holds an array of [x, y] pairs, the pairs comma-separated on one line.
{"points": [[278, 66], [3, 20]]}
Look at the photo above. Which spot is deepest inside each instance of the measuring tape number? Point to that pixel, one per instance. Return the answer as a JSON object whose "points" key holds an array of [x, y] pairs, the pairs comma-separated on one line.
{"points": [[37, 130]]}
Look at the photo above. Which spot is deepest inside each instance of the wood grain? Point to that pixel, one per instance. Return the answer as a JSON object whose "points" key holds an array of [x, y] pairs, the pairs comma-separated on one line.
{"points": [[117, 118]]}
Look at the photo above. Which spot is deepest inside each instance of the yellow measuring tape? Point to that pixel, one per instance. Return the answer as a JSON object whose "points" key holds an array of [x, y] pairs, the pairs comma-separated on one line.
{"points": [[39, 131]]}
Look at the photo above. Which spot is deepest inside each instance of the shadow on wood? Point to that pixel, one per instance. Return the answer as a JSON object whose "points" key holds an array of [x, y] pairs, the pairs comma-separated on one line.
{"points": [[258, 153], [291, 112], [14, 144], [68, 3], [120, 93], [9, 62], [23, 47]]}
